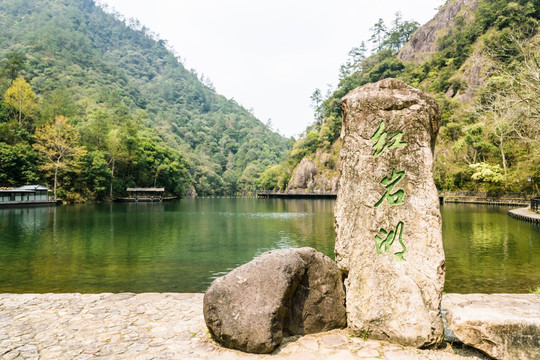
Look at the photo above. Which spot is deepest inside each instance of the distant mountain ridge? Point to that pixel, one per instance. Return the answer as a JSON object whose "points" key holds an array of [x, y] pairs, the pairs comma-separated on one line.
{"points": [[114, 73]]}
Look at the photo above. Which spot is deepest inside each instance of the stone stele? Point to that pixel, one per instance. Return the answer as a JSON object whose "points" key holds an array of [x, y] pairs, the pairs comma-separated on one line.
{"points": [[387, 217]]}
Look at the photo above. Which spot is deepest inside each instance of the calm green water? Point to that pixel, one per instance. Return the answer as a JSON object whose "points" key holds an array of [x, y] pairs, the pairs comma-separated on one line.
{"points": [[182, 246]]}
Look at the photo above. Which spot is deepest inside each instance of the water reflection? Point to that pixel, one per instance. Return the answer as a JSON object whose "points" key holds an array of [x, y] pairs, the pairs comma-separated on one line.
{"points": [[488, 251], [184, 245]]}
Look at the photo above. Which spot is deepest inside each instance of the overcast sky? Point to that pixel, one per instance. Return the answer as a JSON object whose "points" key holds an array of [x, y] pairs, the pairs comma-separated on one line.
{"points": [[269, 55]]}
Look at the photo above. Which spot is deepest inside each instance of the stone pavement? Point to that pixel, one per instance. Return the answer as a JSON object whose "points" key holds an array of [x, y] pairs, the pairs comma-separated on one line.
{"points": [[160, 326], [525, 214]]}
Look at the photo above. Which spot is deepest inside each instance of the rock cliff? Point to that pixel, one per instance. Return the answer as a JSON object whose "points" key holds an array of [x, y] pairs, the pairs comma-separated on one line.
{"points": [[423, 43], [317, 173]]}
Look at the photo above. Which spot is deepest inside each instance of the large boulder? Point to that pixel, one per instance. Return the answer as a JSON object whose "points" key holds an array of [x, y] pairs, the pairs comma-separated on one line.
{"points": [[280, 293], [303, 175], [504, 326], [388, 223]]}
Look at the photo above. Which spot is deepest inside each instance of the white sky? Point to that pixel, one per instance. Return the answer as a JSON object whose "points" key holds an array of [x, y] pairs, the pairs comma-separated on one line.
{"points": [[269, 55]]}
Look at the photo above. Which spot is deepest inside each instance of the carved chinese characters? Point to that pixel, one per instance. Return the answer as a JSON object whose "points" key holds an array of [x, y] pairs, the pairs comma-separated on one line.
{"points": [[388, 222]]}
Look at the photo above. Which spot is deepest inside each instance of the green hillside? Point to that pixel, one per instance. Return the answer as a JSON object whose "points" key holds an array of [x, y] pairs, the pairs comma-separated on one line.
{"points": [[132, 114], [480, 60]]}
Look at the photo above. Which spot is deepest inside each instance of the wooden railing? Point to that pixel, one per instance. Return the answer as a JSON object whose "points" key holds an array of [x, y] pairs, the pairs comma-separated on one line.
{"points": [[296, 194], [535, 203]]}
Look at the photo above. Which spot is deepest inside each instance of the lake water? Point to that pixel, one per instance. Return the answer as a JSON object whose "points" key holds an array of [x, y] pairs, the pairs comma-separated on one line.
{"points": [[182, 246]]}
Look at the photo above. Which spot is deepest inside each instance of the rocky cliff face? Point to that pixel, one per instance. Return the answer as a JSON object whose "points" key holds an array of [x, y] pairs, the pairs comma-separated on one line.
{"points": [[473, 74], [423, 44], [424, 41], [319, 173]]}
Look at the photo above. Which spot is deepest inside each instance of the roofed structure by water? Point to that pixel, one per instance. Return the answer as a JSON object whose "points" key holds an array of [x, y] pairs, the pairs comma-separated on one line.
{"points": [[146, 190], [22, 195]]}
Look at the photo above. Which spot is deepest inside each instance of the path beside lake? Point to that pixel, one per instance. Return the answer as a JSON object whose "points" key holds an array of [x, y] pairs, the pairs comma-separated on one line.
{"points": [[525, 214], [159, 326]]}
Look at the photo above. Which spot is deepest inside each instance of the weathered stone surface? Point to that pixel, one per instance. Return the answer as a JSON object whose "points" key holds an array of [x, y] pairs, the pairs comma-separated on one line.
{"points": [[318, 303], [319, 172], [57, 340], [394, 279], [281, 292], [303, 174], [423, 43], [504, 326], [246, 308]]}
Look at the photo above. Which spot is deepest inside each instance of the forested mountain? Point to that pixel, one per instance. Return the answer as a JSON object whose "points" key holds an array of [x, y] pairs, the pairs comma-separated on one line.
{"points": [[480, 60], [101, 104]]}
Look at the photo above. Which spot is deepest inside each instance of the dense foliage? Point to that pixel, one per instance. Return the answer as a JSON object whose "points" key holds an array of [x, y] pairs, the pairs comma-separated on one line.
{"points": [[139, 117], [490, 137]]}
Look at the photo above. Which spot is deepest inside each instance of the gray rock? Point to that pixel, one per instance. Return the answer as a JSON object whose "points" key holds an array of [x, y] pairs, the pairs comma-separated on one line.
{"points": [[423, 44], [504, 326], [280, 293], [318, 303], [388, 223], [303, 175]]}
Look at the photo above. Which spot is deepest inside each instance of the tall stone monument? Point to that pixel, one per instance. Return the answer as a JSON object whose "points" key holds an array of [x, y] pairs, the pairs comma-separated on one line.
{"points": [[388, 223]]}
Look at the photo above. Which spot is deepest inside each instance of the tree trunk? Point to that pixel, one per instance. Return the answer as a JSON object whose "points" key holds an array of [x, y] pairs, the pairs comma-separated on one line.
{"points": [[501, 147]]}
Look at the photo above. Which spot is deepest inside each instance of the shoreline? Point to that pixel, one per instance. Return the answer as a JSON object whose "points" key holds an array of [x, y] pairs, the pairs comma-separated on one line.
{"points": [[481, 202], [525, 215], [484, 198], [149, 326]]}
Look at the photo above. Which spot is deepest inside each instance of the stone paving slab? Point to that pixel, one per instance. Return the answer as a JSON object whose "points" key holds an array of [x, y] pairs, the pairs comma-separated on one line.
{"points": [[525, 214], [151, 326]]}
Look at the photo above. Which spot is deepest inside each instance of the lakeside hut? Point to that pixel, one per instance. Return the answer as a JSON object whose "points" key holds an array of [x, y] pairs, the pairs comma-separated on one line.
{"points": [[145, 195], [26, 195]]}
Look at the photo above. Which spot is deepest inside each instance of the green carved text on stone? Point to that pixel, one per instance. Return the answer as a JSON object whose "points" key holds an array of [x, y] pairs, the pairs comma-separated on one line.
{"points": [[389, 239], [380, 140], [395, 198]]}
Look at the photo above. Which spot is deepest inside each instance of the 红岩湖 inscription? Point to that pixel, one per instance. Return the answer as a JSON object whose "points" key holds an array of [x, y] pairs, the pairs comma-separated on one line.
{"points": [[380, 140], [395, 198], [389, 240]]}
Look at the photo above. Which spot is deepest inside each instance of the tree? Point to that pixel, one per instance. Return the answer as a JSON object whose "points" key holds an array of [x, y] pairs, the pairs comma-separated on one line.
{"points": [[316, 101], [354, 63], [486, 173], [14, 64], [21, 96], [115, 150], [17, 164], [59, 102], [96, 174], [400, 33], [378, 34], [57, 141], [504, 118], [269, 178], [513, 107], [249, 178]]}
